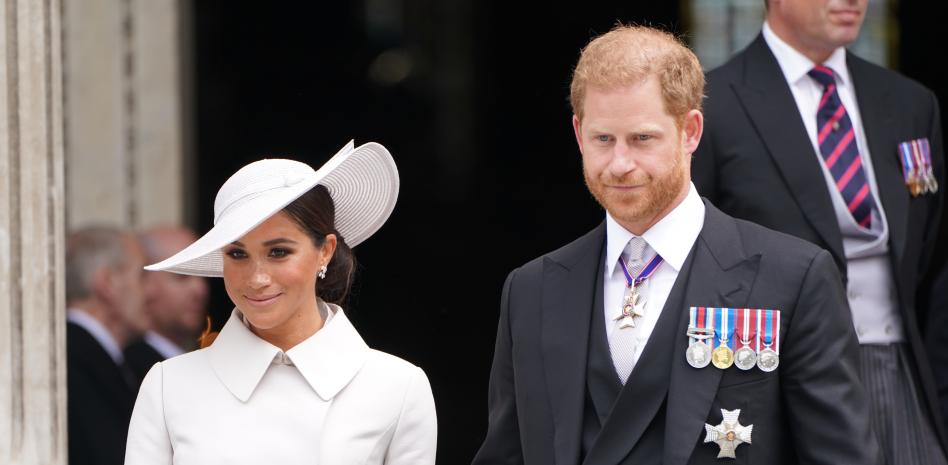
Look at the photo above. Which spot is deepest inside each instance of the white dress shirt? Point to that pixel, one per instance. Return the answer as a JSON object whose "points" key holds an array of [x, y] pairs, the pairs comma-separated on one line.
{"points": [[871, 288], [328, 400], [672, 238]]}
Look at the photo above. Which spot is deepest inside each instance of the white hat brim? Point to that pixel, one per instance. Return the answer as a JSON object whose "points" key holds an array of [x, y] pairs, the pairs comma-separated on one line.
{"points": [[363, 183]]}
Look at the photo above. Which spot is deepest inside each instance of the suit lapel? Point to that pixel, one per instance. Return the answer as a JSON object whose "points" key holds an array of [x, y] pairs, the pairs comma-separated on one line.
{"points": [[718, 253], [875, 105], [767, 99], [569, 280]]}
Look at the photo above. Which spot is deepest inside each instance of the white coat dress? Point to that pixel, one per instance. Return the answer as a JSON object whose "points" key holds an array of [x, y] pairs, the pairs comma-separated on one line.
{"points": [[330, 400]]}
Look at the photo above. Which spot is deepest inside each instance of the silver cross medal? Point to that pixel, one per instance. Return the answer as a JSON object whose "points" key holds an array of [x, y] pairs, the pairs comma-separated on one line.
{"points": [[729, 434], [632, 306]]}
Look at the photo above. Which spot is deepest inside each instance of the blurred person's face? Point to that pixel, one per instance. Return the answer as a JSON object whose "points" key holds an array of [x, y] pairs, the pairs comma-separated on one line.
{"points": [[270, 275], [175, 303], [125, 291], [636, 160], [817, 27]]}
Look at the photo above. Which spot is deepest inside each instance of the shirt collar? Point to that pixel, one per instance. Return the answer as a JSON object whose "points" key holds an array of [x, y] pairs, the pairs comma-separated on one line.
{"points": [[328, 359], [672, 237], [98, 332], [796, 65], [163, 345]]}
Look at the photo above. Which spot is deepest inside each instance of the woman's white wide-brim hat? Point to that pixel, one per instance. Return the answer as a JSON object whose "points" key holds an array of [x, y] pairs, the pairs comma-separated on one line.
{"points": [[363, 183]]}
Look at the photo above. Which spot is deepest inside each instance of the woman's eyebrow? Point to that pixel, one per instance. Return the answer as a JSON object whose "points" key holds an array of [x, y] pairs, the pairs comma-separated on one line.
{"points": [[279, 240]]}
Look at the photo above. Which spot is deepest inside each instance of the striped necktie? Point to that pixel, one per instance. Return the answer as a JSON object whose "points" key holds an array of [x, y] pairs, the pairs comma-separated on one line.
{"points": [[837, 141]]}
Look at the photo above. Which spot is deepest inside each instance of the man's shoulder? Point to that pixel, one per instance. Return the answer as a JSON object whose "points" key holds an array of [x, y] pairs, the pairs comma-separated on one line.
{"points": [[779, 250], [81, 345], [721, 81], [766, 239], [731, 70], [885, 78], [567, 255]]}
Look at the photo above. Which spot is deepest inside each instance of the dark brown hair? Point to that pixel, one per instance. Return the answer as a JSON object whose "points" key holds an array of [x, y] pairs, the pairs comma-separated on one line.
{"points": [[315, 213]]}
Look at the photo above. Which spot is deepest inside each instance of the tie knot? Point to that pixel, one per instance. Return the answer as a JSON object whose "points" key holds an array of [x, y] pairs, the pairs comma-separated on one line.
{"points": [[635, 250], [823, 75]]}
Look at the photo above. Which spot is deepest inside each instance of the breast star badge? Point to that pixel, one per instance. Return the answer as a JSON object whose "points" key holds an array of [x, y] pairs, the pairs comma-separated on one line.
{"points": [[729, 434]]}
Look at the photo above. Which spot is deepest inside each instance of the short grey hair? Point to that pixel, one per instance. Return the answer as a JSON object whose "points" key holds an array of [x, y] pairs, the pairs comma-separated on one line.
{"points": [[87, 251]]}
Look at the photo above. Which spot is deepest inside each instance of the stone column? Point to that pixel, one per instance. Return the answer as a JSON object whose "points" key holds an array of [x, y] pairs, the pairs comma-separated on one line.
{"points": [[32, 321], [126, 149]]}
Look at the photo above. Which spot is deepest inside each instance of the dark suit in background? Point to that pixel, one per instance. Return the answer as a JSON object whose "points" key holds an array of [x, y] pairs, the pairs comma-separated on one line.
{"points": [[756, 162], [936, 338], [140, 356], [102, 396], [549, 404]]}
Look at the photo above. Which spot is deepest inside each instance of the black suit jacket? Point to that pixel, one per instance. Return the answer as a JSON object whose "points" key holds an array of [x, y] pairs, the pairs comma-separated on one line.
{"points": [[100, 401], [756, 162], [810, 410], [140, 356]]}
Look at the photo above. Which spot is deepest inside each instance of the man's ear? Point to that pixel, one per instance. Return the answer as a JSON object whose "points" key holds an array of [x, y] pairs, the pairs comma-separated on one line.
{"points": [[578, 131], [692, 128], [102, 283]]}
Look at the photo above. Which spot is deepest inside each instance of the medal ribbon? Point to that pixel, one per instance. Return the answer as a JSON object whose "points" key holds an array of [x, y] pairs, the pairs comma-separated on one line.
{"points": [[700, 319], [775, 330], [919, 159], [926, 154], [645, 274], [746, 327], [726, 327], [907, 150], [693, 320], [768, 334], [771, 325]]}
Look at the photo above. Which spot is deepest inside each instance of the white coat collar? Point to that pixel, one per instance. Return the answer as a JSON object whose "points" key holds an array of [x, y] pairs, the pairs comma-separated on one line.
{"points": [[328, 359]]}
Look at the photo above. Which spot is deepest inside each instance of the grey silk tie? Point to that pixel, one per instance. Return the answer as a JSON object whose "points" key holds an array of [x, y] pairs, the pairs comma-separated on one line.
{"points": [[624, 341]]}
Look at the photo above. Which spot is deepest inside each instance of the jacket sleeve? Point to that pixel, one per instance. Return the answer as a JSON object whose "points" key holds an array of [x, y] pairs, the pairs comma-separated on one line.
{"points": [[502, 444], [148, 439], [827, 408], [415, 439]]}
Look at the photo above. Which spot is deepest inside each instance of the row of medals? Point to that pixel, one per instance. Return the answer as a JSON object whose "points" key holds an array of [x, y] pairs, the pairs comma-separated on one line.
{"points": [[922, 184], [699, 354]]}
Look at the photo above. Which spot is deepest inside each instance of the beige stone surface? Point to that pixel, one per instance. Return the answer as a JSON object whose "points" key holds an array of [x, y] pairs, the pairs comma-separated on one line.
{"points": [[32, 321], [157, 118], [124, 146], [97, 161]]}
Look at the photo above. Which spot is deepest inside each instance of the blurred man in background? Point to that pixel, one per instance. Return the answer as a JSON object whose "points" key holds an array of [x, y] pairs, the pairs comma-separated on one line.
{"points": [[809, 139], [105, 311], [174, 303]]}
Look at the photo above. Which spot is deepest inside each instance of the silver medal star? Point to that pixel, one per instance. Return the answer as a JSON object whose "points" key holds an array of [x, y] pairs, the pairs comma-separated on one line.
{"points": [[634, 306], [729, 434]]}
